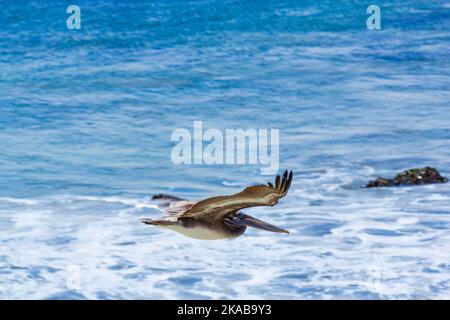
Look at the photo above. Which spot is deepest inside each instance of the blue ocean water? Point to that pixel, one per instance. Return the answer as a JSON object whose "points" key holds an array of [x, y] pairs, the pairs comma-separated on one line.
{"points": [[86, 118]]}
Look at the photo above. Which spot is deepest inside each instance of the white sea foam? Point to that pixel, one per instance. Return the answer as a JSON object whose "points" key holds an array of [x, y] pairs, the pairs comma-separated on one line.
{"points": [[365, 246]]}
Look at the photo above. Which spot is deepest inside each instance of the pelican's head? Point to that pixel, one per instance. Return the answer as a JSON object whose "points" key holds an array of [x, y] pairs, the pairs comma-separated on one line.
{"points": [[244, 220]]}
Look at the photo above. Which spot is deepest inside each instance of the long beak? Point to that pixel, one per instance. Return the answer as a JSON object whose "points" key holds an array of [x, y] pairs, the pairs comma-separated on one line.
{"points": [[249, 221]]}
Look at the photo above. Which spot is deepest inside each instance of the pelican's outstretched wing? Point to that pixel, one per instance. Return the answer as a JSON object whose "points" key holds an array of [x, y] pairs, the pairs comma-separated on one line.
{"points": [[259, 195]]}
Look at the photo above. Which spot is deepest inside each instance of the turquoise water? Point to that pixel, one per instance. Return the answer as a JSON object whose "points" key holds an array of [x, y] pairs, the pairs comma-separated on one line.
{"points": [[86, 118]]}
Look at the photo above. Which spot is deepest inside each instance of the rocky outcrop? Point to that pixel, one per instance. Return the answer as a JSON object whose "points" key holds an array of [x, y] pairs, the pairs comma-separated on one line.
{"points": [[417, 176]]}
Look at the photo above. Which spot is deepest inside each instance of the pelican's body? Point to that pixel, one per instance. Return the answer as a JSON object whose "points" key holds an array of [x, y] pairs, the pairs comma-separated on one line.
{"points": [[219, 217], [198, 229]]}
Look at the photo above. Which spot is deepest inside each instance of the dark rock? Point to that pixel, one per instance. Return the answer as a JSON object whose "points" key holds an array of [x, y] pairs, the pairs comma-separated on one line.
{"points": [[417, 176]]}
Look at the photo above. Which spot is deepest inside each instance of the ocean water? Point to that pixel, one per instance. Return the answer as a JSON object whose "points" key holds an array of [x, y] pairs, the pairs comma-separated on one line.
{"points": [[86, 118]]}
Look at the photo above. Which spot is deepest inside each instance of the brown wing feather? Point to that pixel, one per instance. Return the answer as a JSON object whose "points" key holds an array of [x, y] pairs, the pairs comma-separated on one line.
{"points": [[259, 195], [178, 207]]}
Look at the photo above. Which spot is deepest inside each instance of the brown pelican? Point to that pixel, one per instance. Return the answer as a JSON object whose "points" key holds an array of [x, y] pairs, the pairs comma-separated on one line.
{"points": [[220, 217]]}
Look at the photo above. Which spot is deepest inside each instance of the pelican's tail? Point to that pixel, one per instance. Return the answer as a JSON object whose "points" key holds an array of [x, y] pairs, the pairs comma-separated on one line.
{"points": [[160, 223]]}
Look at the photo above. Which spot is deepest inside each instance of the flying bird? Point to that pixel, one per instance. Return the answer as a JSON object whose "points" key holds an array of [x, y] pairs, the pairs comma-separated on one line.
{"points": [[220, 217]]}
